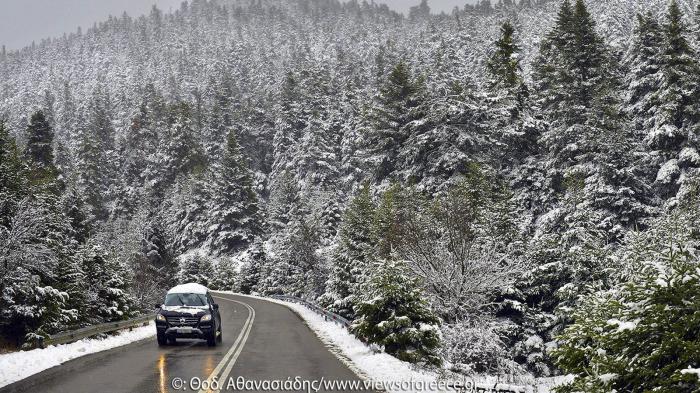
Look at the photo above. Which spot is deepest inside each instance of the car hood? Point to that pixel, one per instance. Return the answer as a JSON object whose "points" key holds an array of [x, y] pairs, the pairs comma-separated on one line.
{"points": [[170, 311]]}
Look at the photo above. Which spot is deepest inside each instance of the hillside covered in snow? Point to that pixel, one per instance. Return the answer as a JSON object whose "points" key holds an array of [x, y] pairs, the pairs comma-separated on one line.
{"points": [[510, 188]]}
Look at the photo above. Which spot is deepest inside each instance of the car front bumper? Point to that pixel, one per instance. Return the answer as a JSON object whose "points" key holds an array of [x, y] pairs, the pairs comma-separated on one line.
{"points": [[201, 332]]}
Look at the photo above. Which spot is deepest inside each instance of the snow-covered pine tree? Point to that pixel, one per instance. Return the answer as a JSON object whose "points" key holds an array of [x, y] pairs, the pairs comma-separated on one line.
{"points": [[73, 282], [354, 256], [108, 283], [252, 269], [588, 142], [233, 218], [697, 29], [314, 156], [91, 171], [195, 267], [640, 335], [34, 243], [645, 62], [187, 212], [510, 107], [388, 216], [39, 154], [673, 136], [399, 103], [679, 87], [504, 64], [13, 172], [392, 312], [79, 215], [153, 260], [225, 276], [302, 271], [291, 121], [180, 153]]}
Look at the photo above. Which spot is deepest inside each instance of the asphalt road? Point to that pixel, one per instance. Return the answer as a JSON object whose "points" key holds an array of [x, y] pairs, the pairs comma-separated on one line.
{"points": [[262, 342]]}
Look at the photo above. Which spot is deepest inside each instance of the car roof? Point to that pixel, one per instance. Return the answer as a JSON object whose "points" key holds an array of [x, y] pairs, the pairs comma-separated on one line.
{"points": [[189, 288]]}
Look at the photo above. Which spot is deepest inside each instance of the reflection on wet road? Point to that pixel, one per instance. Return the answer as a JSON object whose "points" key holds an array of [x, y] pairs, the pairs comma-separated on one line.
{"points": [[162, 374]]}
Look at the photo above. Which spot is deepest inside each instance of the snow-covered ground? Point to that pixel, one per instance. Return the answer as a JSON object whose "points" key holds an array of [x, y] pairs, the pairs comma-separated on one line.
{"points": [[392, 374], [19, 365]]}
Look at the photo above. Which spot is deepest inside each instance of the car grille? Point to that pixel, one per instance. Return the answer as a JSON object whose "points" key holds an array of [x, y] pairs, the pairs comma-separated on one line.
{"points": [[183, 321]]}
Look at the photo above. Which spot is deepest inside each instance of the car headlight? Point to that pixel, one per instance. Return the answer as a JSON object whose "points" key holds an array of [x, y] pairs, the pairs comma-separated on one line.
{"points": [[160, 317], [206, 318]]}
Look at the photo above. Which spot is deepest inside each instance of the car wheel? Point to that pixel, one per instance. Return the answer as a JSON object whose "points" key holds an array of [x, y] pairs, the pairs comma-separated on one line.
{"points": [[211, 340], [172, 341], [162, 340]]}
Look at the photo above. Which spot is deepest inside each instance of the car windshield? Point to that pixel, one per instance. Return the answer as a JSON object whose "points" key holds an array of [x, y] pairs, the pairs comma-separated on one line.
{"points": [[185, 299]]}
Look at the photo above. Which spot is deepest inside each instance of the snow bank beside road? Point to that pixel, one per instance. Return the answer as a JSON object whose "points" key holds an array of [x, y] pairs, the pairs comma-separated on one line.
{"points": [[16, 366], [384, 368]]}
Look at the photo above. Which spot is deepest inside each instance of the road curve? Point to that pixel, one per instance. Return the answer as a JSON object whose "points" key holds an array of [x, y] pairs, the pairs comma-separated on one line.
{"points": [[262, 341]]}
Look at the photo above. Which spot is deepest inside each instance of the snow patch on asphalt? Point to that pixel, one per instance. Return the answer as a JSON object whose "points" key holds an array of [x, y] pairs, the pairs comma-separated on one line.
{"points": [[16, 366]]}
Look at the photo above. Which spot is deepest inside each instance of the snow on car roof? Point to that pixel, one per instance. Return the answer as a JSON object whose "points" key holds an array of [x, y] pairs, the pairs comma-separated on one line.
{"points": [[189, 288]]}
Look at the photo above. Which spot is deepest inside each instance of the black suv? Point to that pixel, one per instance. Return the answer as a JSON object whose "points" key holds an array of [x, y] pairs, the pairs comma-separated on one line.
{"points": [[188, 312]]}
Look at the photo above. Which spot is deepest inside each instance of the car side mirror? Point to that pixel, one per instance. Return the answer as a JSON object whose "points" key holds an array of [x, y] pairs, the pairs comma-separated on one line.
{"points": [[215, 306], [158, 305]]}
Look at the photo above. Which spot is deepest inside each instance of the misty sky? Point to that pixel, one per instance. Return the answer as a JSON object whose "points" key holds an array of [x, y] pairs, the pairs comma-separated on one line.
{"points": [[24, 21]]}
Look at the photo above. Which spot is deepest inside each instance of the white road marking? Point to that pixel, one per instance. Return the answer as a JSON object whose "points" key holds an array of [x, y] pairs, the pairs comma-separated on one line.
{"points": [[235, 349], [227, 371]]}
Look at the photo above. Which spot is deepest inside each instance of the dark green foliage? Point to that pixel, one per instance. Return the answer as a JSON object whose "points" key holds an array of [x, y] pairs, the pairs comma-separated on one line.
{"points": [[646, 66], [574, 71], [679, 90], [354, 256], [195, 268], [234, 218], [39, 153], [400, 102], [108, 298], [504, 65], [251, 272], [78, 214], [92, 173], [12, 170], [393, 313], [13, 180], [641, 335]]}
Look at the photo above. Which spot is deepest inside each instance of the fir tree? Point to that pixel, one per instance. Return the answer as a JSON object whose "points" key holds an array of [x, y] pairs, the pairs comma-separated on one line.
{"points": [[510, 106], [78, 213], [34, 243], [645, 62], [39, 152], [251, 272], [504, 64], [108, 298], [399, 103], [91, 168], [73, 283], [574, 69], [182, 151], [392, 313], [697, 28], [679, 86], [13, 182], [640, 336], [195, 268], [354, 256], [234, 219]]}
